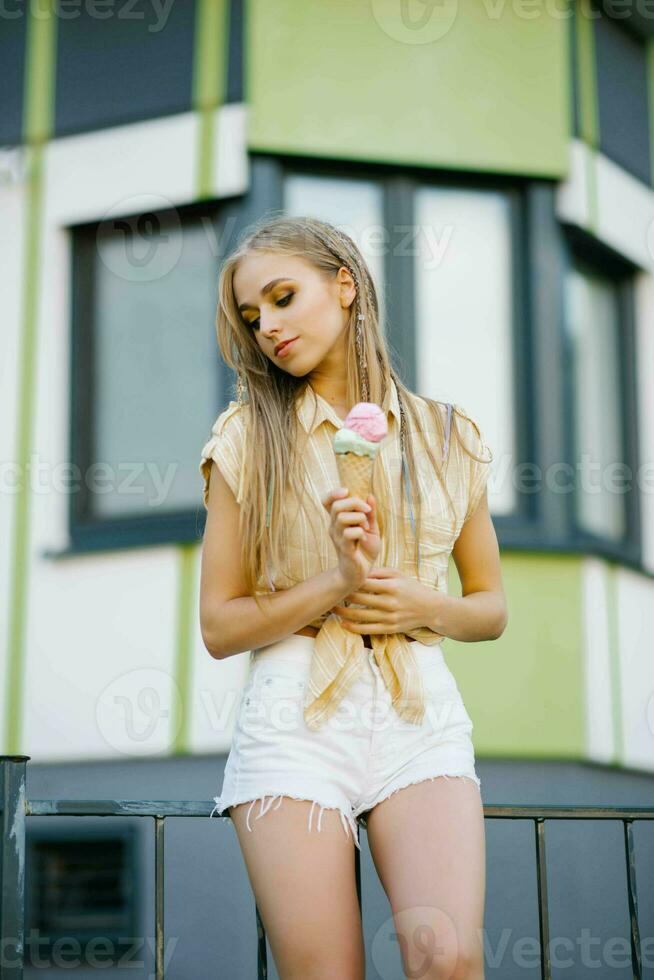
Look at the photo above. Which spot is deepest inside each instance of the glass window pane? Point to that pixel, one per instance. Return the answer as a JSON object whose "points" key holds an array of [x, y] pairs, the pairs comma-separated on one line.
{"points": [[464, 316], [355, 206], [592, 322], [622, 87], [155, 371]]}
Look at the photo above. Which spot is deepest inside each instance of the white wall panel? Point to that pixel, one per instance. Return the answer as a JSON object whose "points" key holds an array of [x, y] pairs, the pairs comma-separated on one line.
{"points": [[597, 662], [99, 674], [231, 169], [94, 619], [645, 375], [465, 320], [635, 617], [597, 188]]}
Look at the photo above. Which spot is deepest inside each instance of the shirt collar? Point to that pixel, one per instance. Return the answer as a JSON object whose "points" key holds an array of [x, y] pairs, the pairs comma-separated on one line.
{"points": [[311, 400]]}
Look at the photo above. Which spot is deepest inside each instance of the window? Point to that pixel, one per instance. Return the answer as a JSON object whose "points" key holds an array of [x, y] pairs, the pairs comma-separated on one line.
{"points": [[112, 70], [446, 254], [622, 87], [602, 437], [148, 379], [354, 205], [464, 310], [80, 898]]}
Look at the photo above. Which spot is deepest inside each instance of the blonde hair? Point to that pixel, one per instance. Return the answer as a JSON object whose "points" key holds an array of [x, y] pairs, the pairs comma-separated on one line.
{"points": [[271, 425]]}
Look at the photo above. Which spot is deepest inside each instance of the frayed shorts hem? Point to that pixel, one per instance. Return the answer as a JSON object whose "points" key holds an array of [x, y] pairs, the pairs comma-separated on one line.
{"points": [[360, 813], [347, 819]]}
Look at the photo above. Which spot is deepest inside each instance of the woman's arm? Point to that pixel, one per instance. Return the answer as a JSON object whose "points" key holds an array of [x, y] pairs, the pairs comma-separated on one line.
{"points": [[480, 613], [230, 621], [240, 625]]}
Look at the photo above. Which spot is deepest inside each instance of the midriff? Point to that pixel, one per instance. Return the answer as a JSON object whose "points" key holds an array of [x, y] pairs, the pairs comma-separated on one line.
{"points": [[312, 631]]}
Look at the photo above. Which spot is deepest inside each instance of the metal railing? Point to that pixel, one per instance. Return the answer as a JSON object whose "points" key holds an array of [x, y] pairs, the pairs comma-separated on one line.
{"points": [[15, 808]]}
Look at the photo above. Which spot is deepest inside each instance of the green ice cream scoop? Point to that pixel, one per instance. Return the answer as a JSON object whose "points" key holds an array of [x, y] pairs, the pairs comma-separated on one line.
{"points": [[348, 441]]}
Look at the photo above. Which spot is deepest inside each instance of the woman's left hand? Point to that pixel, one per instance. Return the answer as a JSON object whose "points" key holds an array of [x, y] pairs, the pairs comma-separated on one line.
{"points": [[394, 603]]}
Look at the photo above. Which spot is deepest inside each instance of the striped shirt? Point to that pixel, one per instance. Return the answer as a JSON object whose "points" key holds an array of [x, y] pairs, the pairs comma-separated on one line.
{"points": [[309, 550]]}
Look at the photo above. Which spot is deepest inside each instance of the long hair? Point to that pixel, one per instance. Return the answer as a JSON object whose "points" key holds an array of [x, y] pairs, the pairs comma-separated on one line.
{"points": [[273, 435]]}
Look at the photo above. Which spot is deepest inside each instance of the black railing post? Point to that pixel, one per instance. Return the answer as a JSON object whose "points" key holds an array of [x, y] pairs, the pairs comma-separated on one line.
{"points": [[12, 865], [262, 952], [632, 895], [543, 906], [159, 879]]}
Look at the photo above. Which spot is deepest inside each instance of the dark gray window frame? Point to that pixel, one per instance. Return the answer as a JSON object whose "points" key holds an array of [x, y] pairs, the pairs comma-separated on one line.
{"points": [[399, 188], [543, 521], [89, 533], [579, 245]]}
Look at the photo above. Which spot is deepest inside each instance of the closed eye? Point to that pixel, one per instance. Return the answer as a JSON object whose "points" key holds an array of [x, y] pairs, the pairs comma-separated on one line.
{"points": [[282, 301]]}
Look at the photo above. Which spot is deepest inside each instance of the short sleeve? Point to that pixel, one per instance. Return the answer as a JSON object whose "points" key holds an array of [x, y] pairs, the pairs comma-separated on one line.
{"points": [[225, 447], [476, 471]]}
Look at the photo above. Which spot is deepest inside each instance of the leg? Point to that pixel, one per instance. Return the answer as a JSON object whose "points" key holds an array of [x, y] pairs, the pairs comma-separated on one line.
{"points": [[427, 842], [304, 885]]}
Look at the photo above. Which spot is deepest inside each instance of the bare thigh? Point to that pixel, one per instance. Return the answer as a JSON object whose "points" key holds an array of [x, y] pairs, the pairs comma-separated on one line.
{"points": [[428, 845], [304, 884]]}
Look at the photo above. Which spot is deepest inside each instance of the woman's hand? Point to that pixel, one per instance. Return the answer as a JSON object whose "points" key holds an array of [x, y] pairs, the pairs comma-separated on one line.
{"points": [[393, 603], [355, 534]]}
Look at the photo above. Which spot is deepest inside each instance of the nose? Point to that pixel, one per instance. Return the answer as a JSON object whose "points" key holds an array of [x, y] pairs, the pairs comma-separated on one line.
{"points": [[268, 329]]}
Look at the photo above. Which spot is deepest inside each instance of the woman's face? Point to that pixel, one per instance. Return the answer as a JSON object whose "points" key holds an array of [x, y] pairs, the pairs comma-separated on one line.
{"points": [[282, 297]]}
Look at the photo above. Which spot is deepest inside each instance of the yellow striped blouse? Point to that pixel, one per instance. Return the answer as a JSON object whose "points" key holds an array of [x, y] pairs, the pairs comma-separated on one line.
{"points": [[309, 550]]}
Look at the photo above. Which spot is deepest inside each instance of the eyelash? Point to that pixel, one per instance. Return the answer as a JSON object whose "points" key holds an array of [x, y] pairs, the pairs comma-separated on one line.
{"points": [[279, 302]]}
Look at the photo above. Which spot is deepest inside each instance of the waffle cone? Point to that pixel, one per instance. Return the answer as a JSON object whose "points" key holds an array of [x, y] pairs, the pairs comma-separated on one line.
{"points": [[355, 473]]}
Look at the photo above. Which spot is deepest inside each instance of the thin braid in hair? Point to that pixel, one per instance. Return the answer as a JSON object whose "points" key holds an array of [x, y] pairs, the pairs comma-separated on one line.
{"points": [[371, 305]]}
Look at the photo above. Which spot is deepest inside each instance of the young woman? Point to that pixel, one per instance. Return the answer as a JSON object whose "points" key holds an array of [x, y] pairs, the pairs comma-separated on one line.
{"points": [[349, 705]]}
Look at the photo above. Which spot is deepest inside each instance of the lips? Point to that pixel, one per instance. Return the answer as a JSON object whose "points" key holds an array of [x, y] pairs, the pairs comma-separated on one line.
{"points": [[282, 347]]}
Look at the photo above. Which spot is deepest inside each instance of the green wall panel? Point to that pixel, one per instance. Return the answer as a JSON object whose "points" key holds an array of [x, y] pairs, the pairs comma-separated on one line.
{"points": [[524, 691], [478, 86]]}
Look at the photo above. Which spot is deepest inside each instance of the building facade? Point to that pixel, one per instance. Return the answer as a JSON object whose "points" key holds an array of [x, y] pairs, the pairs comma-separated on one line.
{"points": [[495, 163]]}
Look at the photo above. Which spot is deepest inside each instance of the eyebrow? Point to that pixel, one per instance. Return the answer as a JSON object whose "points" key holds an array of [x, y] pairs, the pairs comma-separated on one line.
{"points": [[264, 290]]}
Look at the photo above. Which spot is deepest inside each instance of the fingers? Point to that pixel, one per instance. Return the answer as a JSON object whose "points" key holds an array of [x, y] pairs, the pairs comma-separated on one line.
{"points": [[329, 498], [340, 494], [351, 503]]}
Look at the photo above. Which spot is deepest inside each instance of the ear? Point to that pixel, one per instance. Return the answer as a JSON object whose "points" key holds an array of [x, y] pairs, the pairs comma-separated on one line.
{"points": [[347, 287]]}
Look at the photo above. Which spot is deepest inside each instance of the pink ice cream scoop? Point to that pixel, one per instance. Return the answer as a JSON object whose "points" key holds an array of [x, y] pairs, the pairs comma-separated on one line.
{"points": [[368, 421]]}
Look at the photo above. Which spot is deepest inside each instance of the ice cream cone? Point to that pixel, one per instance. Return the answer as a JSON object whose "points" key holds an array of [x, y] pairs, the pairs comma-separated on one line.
{"points": [[355, 473]]}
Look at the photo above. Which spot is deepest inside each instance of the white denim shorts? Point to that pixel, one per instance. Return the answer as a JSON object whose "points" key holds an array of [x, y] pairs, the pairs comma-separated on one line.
{"points": [[360, 756]]}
